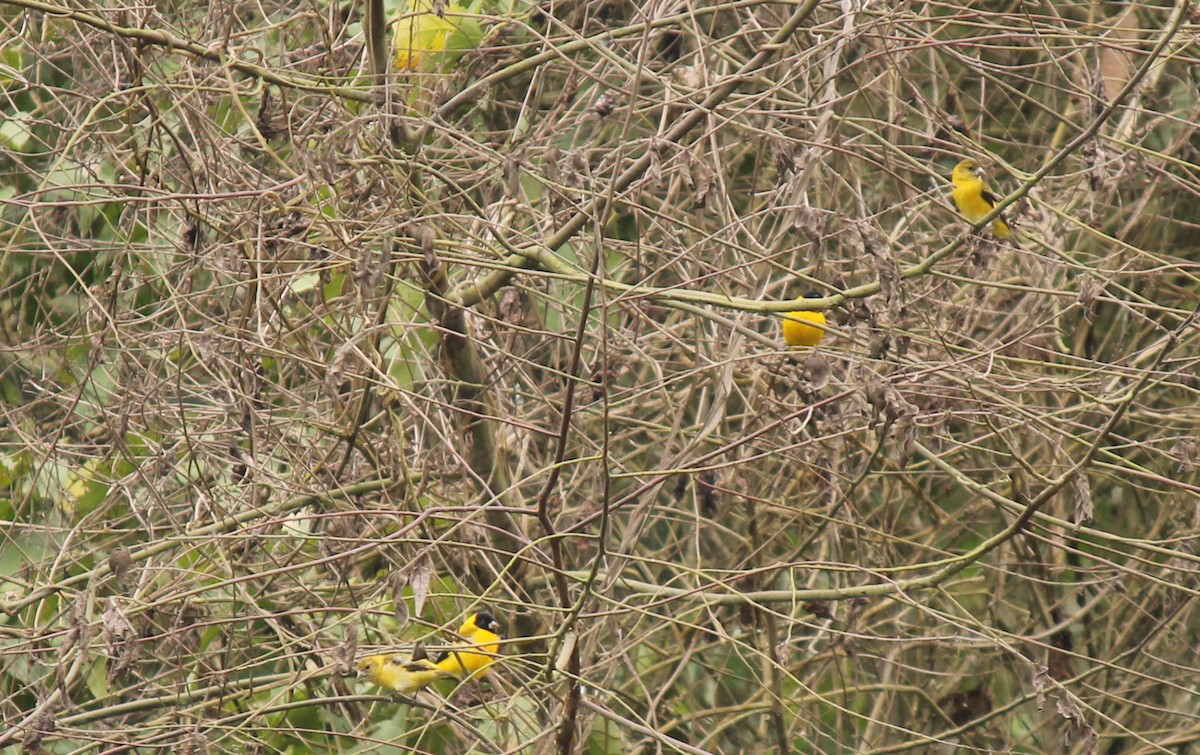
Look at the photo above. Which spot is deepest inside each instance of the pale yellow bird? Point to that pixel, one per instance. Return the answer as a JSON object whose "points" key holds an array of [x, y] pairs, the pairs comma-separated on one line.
{"points": [[973, 197], [398, 674]]}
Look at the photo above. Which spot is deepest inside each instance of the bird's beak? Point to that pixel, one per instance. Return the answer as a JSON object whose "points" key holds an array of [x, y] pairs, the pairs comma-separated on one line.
{"points": [[979, 172], [494, 627]]}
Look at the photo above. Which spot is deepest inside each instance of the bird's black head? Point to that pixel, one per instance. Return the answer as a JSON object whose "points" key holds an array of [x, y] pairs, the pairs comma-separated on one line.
{"points": [[485, 620]]}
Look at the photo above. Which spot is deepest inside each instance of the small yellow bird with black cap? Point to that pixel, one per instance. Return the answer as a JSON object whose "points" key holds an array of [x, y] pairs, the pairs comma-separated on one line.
{"points": [[804, 327], [482, 633]]}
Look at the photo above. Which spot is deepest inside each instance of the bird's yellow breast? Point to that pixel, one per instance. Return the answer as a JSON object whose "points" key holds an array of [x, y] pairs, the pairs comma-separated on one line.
{"points": [[803, 328], [973, 198]]}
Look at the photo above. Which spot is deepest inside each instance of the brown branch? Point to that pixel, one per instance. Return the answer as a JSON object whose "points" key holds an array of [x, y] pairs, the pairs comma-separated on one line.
{"points": [[471, 398]]}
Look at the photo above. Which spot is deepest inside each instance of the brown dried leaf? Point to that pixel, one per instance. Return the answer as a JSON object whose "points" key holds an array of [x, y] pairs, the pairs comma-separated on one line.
{"points": [[654, 173], [579, 167], [1089, 291], [550, 160], [704, 181], [511, 169], [886, 268], [1041, 683], [879, 344], [689, 77], [605, 104], [77, 635], [399, 580], [425, 236], [875, 392], [809, 222], [1082, 505], [1187, 452], [343, 654], [512, 306], [119, 635], [420, 577], [783, 153], [818, 370], [1078, 729], [264, 119], [570, 88], [336, 386], [905, 434], [115, 627], [43, 723], [785, 651], [1096, 160]]}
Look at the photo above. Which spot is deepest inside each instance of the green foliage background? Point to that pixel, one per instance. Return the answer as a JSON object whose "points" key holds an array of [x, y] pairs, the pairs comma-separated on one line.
{"points": [[301, 358]]}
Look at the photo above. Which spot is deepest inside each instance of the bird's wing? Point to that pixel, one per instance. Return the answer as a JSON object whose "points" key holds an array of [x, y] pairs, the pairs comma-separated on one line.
{"points": [[417, 667]]}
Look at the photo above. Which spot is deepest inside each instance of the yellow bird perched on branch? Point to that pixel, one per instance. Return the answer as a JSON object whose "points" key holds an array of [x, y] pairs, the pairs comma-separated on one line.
{"points": [[395, 673], [974, 199], [481, 630], [805, 327]]}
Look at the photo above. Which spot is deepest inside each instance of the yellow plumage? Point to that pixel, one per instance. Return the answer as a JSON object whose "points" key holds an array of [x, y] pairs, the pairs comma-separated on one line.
{"points": [[481, 632], [973, 198], [803, 328], [397, 674]]}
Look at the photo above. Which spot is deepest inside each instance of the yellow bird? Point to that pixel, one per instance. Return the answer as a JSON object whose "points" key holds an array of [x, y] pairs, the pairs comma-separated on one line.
{"points": [[973, 197], [804, 328], [395, 673], [481, 630]]}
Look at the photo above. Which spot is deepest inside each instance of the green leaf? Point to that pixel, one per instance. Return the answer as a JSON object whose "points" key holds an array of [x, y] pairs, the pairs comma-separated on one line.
{"points": [[15, 133], [423, 40], [85, 488]]}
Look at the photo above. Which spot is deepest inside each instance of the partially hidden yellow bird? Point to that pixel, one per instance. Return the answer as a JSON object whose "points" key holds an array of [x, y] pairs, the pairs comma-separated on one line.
{"points": [[395, 673], [806, 327], [481, 630], [973, 197]]}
